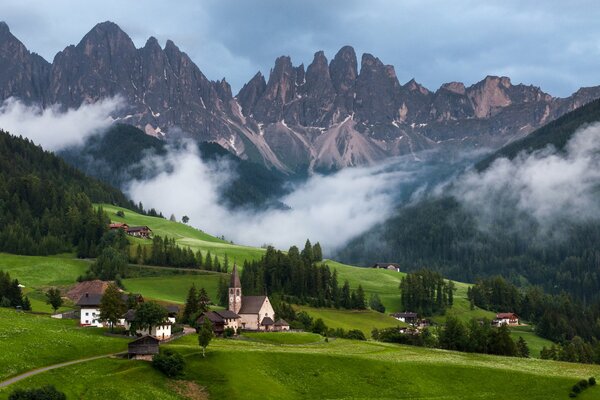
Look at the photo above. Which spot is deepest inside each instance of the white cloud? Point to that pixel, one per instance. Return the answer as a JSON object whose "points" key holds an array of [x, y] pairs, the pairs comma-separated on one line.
{"points": [[53, 128], [547, 185], [330, 209]]}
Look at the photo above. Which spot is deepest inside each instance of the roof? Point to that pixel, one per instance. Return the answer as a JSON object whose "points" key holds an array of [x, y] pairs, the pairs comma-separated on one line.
{"points": [[212, 316], [145, 340], [385, 265], [89, 299], [506, 315], [266, 321], [227, 314], [172, 309], [281, 322], [116, 225], [405, 315], [138, 229], [95, 286], [129, 315], [252, 304], [235, 278]]}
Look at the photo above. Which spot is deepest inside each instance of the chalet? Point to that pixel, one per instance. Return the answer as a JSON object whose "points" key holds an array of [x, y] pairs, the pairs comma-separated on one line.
{"points": [[118, 225], [408, 317], [143, 348], [221, 320], [161, 332], [89, 306], [139, 231], [281, 325], [510, 319], [388, 266]]}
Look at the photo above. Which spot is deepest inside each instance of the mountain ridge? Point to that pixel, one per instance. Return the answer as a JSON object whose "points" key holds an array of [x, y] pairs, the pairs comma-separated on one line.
{"points": [[329, 115]]}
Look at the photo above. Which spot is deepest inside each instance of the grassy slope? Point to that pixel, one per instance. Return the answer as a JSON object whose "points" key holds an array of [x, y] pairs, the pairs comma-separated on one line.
{"points": [[173, 288], [28, 341], [364, 320], [339, 369], [186, 235], [534, 342], [33, 271]]}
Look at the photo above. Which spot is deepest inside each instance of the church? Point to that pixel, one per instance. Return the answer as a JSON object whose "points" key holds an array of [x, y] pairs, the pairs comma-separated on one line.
{"points": [[254, 313]]}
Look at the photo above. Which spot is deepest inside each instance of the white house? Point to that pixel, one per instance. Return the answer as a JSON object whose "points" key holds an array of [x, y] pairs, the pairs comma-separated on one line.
{"points": [[408, 317], [510, 319], [161, 332], [388, 266], [89, 305]]}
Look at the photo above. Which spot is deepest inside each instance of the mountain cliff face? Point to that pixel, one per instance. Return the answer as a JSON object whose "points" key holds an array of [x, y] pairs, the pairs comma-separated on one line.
{"points": [[327, 116]]}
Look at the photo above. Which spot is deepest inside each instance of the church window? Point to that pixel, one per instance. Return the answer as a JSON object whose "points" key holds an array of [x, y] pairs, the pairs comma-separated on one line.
{"points": [[238, 292]]}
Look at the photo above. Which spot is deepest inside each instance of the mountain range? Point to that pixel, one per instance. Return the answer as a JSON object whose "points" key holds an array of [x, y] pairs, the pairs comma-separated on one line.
{"points": [[329, 115]]}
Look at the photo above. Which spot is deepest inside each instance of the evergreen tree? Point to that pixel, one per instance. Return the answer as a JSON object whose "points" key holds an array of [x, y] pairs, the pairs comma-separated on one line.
{"points": [[203, 301], [226, 264], [208, 262], [191, 305], [317, 252], [112, 306], [361, 303], [346, 300], [307, 253], [522, 348], [375, 303], [26, 304]]}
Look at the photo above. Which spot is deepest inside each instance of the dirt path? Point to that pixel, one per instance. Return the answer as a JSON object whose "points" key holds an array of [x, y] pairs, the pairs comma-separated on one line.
{"points": [[50, 367]]}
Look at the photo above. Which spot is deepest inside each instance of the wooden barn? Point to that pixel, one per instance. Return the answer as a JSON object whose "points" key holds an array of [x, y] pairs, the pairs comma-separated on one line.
{"points": [[143, 348]]}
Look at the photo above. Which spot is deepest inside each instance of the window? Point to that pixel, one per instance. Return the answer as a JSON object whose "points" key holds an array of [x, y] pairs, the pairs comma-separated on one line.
{"points": [[87, 314], [238, 292]]}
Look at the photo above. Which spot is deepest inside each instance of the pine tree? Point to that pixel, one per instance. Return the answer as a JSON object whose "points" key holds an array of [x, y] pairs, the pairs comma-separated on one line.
{"points": [[307, 253], [53, 297], [191, 305], [226, 264], [217, 264], [203, 300], [522, 348], [361, 302], [208, 263], [317, 252], [346, 300]]}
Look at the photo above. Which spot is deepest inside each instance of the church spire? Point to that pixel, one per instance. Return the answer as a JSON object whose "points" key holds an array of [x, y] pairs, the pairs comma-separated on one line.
{"points": [[235, 278], [235, 291]]}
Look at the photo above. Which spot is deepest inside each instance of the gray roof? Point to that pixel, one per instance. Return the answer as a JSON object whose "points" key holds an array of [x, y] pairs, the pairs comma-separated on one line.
{"points": [[266, 321], [212, 316], [172, 309], [252, 304], [227, 314], [235, 278], [89, 299], [281, 322], [129, 315], [385, 265], [405, 315]]}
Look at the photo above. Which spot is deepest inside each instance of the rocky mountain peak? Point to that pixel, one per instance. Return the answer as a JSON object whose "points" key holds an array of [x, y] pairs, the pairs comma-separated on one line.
{"points": [[4, 29], [251, 92], [343, 69], [454, 87], [152, 44], [414, 86]]}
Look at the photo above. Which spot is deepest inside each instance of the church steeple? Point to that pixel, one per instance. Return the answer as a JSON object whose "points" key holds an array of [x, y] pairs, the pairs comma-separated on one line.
{"points": [[235, 291]]}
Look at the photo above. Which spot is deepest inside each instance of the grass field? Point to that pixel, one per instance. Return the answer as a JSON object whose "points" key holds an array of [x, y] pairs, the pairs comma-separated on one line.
{"points": [[339, 369], [29, 341], [283, 338], [34, 271], [186, 235], [364, 320], [534, 342], [174, 288]]}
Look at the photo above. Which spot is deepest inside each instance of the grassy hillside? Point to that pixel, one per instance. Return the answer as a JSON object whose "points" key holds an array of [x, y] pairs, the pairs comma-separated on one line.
{"points": [[37, 271], [186, 235], [29, 341], [174, 288], [339, 369]]}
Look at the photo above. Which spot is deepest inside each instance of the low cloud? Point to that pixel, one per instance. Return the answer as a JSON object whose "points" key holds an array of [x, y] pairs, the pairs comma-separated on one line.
{"points": [[330, 209], [546, 187], [54, 128]]}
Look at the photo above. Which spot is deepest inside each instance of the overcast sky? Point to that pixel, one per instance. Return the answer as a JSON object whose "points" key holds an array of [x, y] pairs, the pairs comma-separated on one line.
{"points": [[551, 44]]}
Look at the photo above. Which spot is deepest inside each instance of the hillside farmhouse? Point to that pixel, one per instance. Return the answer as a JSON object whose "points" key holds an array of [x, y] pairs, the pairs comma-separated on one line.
{"points": [[388, 266], [253, 313], [510, 319], [161, 332], [408, 317], [136, 231]]}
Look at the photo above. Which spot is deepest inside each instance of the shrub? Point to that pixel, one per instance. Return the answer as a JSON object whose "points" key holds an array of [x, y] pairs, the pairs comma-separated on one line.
{"points": [[592, 381], [169, 362], [576, 389], [583, 384], [228, 332], [355, 334], [44, 393]]}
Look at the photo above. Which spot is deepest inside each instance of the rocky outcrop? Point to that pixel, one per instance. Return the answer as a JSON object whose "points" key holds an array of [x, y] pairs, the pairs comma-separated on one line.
{"points": [[330, 115]]}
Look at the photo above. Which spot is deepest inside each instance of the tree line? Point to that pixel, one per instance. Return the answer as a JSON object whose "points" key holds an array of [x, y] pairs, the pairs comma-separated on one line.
{"points": [[11, 294], [477, 336], [426, 292]]}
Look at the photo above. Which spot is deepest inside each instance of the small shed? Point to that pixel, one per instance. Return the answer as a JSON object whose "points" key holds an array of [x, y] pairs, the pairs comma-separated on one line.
{"points": [[282, 325], [143, 348]]}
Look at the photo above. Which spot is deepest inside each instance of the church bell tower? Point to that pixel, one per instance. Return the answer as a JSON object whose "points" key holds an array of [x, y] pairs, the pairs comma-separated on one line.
{"points": [[235, 292]]}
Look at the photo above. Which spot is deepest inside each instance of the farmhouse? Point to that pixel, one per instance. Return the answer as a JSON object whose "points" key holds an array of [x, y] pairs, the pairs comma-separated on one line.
{"points": [[143, 348], [221, 320], [89, 305], [408, 317], [139, 231], [161, 332], [510, 319], [388, 266], [118, 225]]}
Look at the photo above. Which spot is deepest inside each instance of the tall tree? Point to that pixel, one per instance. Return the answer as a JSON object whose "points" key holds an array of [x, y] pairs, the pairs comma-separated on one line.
{"points": [[203, 301], [205, 335], [191, 304], [54, 298], [112, 306]]}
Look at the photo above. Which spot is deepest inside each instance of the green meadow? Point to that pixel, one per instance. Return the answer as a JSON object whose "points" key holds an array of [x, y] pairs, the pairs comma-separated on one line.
{"points": [[173, 288], [303, 368], [29, 341], [36, 271]]}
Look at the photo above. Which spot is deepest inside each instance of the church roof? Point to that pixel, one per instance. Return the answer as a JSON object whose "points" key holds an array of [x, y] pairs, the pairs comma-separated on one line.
{"points": [[252, 304], [235, 278]]}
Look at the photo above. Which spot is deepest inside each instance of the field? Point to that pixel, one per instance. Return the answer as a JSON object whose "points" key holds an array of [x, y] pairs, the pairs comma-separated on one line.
{"points": [[34, 271], [364, 320], [29, 341], [338, 369], [173, 288], [283, 338], [534, 342], [185, 235]]}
